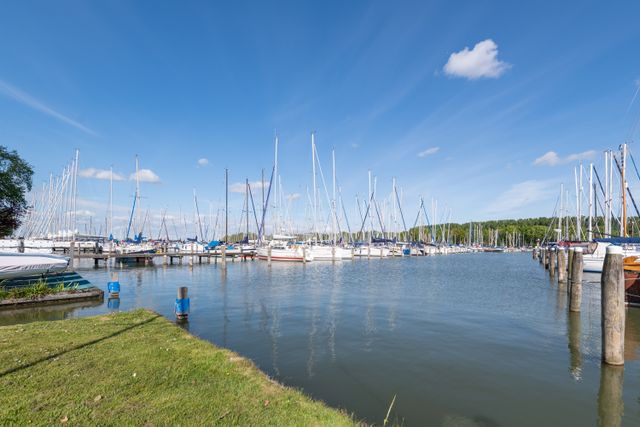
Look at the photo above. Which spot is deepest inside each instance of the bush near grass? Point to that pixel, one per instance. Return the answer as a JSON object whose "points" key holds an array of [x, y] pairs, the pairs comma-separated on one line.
{"points": [[34, 290], [137, 368]]}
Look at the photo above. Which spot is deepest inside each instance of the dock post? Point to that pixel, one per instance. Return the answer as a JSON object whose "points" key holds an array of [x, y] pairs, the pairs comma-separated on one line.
{"points": [[541, 256], [114, 286], [182, 303], [304, 255], [552, 262], [369, 252], [575, 296], [546, 258], [223, 251], [21, 245], [164, 259], [353, 253], [72, 253], [533, 253], [570, 264], [613, 308], [269, 256], [562, 266]]}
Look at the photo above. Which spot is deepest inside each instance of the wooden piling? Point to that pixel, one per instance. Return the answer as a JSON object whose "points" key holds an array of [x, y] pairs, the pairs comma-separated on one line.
{"points": [[570, 264], [552, 263], [575, 296], [613, 307], [541, 256], [546, 258], [223, 252], [72, 253], [533, 253], [562, 266]]}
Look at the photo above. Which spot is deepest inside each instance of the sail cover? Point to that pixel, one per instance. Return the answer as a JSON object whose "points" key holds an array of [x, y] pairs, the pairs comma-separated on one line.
{"points": [[17, 265]]}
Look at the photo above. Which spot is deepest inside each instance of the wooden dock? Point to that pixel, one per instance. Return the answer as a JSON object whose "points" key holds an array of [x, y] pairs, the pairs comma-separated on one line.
{"points": [[168, 258]]}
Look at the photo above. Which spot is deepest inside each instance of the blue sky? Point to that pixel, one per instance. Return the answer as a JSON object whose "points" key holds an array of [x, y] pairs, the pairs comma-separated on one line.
{"points": [[175, 82]]}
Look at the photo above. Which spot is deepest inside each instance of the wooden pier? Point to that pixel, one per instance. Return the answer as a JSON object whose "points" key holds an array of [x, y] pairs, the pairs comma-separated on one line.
{"points": [[169, 258]]}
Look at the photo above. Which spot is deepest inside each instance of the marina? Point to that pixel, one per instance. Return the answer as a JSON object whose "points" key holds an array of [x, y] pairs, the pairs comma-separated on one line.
{"points": [[476, 338]]}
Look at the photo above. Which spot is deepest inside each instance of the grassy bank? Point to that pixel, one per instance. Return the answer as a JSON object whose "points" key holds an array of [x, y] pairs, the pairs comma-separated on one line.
{"points": [[137, 368], [35, 290]]}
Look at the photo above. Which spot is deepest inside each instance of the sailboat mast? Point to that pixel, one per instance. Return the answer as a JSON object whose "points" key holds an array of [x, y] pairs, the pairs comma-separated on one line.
{"points": [[246, 201], [624, 190], [110, 231], [226, 205], [139, 220], [333, 201], [590, 230], [315, 197]]}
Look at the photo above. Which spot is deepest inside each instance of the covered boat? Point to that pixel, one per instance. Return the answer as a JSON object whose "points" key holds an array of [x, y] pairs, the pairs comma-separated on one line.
{"points": [[632, 280], [14, 265]]}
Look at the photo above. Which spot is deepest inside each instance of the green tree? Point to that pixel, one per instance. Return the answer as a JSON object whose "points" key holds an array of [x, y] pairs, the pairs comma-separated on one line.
{"points": [[15, 182]]}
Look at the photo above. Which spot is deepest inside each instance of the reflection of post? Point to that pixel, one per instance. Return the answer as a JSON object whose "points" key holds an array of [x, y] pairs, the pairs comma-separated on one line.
{"points": [[575, 356], [610, 403]]}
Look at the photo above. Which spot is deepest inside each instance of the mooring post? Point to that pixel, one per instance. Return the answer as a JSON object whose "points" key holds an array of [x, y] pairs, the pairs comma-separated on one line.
{"points": [[182, 303], [72, 252], [224, 255], [546, 258], [570, 265], [562, 266], [575, 296], [269, 256], [114, 286], [533, 253], [541, 256], [613, 308], [552, 262]]}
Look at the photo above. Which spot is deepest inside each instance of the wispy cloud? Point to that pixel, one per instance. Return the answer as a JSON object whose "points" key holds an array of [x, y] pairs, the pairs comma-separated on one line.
{"points": [[203, 162], [145, 175], [551, 158], [481, 61], [520, 195], [28, 100], [239, 187], [293, 196], [429, 151], [99, 174]]}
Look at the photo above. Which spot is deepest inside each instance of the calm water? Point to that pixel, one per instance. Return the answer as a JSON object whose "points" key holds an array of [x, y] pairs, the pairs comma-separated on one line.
{"points": [[474, 339]]}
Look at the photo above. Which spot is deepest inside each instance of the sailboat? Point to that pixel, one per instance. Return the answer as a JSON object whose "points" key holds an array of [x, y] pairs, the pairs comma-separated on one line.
{"points": [[137, 246]]}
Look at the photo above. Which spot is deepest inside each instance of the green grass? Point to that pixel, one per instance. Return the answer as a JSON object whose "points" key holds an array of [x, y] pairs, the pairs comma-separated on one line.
{"points": [[137, 368], [34, 290]]}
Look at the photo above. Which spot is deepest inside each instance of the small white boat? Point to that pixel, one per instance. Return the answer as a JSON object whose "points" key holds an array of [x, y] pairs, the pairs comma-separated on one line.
{"points": [[372, 251], [293, 253], [593, 260], [329, 253], [18, 265]]}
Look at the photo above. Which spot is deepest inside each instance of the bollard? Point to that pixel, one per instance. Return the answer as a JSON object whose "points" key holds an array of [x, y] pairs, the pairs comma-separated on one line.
{"points": [[223, 252], [552, 263], [562, 266], [546, 259], [114, 285], [269, 256], [182, 303], [613, 307], [575, 292], [540, 255], [533, 253], [570, 263]]}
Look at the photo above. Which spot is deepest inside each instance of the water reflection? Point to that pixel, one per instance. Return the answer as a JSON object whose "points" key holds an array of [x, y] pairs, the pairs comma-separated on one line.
{"points": [[610, 404], [113, 303], [575, 355]]}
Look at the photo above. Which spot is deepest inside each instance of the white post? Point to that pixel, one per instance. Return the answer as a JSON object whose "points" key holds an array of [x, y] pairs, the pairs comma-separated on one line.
{"points": [[590, 230]]}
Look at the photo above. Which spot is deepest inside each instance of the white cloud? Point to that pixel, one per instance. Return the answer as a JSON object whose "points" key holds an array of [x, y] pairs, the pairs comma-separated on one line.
{"points": [[551, 158], [481, 61], [239, 187], [99, 174], [99, 206], [145, 175], [203, 162], [293, 196], [28, 100], [519, 196], [429, 151]]}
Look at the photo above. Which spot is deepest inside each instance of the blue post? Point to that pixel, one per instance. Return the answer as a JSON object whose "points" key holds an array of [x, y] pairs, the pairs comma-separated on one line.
{"points": [[114, 288], [182, 303]]}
